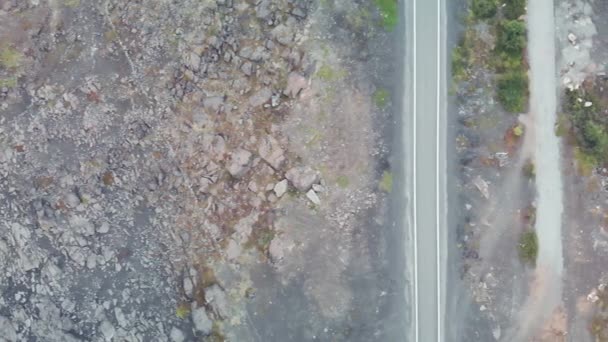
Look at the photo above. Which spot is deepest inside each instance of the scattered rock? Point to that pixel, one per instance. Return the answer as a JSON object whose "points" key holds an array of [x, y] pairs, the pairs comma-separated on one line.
{"points": [[8, 329], [312, 196], [239, 163], [280, 188], [248, 68], [496, 332], [572, 38], [282, 34], [271, 152], [295, 84], [278, 248], [107, 330], [216, 298], [201, 321], [482, 186], [260, 97], [176, 335], [302, 178]]}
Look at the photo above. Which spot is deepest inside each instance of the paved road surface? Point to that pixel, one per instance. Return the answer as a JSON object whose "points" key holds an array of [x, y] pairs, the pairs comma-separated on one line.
{"points": [[427, 99]]}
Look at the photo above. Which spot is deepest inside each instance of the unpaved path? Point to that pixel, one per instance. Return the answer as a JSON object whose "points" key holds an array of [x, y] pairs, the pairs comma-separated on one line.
{"points": [[545, 292], [543, 91]]}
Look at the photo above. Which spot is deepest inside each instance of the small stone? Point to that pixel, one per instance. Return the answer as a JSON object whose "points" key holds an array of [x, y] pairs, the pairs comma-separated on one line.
{"points": [[270, 150], [239, 163], [572, 38], [302, 178], [103, 228], [312, 196], [176, 335], [72, 201], [280, 188], [193, 61], [318, 188], [120, 317], [107, 330], [91, 261], [282, 34], [247, 68], [201, 321], [260, 97], [295, 84], [188, 286], [588, 104], [482, 186], [216, 297]]}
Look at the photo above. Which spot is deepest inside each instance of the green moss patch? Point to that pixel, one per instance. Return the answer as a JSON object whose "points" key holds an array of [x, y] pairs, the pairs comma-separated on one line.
{"points": [[389, 12], [10, 58], [528, 247], [381, 97], [386, 182]]}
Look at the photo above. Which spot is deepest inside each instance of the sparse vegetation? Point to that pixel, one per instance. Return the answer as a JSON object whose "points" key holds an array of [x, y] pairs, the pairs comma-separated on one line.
{"points": [[513, 9], [386, 182], [529, 170], [512, 91], [389, 12], [182, 311], [518, 130], [328, 74], [585, 163], [484, 9], [507, 58], [10, 82], [381, 97], [10, 58], [589, 128], [528, 247], [342, 181]]}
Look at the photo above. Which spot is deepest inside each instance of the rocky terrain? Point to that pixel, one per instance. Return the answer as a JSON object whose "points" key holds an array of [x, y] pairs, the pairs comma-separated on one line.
{"points": [[196, 170]]}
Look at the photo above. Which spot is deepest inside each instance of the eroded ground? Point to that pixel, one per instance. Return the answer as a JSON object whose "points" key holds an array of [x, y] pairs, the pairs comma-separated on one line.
{"points": [[197, 170]]}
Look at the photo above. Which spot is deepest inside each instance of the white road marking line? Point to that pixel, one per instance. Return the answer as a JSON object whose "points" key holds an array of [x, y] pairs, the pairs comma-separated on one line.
{"points": [[415, 233], [438, 221]]}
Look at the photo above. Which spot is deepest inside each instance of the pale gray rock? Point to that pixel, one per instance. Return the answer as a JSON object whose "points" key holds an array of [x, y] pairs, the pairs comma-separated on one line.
{"points": [[280, 188], [176, 335], [239, 163], [312, 196], [260, 97], [107, 330], [8, 330], [282, 34], [201, 321], [302, 178], [216, 297], [295, 84], [270, 150]]}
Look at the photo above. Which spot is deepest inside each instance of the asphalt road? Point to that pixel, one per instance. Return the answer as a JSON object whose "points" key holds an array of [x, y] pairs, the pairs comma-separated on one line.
{"points": [[427, 92]]}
